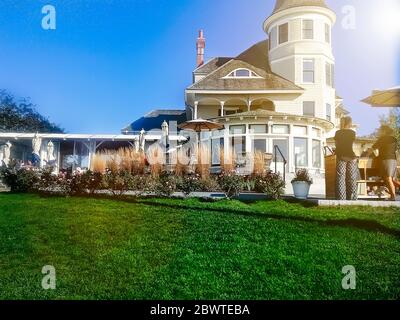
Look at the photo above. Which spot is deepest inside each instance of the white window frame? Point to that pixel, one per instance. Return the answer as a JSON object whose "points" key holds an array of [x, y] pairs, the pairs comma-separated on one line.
{"points": [[308, 115], [232, 74], [273, 38], [303, 30], [328, 35], [329, 74], [313, 70], [279, 34], [328, 114]]}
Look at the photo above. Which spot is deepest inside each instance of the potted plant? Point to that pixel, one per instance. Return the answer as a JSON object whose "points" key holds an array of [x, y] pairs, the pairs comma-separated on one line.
{"points": [[301, 184]]}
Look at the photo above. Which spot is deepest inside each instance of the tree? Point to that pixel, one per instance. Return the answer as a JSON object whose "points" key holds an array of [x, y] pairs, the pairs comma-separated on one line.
{"points": [[21, 116]]}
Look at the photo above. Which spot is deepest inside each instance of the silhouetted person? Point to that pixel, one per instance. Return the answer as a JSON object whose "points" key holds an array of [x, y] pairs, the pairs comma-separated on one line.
{"points": [[347, 171], [387, 146]]}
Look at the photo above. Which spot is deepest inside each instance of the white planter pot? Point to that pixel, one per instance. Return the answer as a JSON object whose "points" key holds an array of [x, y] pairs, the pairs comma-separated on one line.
{"points": [[301, 189]]}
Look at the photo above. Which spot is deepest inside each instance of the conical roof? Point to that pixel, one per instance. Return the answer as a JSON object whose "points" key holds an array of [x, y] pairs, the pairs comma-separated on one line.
{"points": [[287, 4]]}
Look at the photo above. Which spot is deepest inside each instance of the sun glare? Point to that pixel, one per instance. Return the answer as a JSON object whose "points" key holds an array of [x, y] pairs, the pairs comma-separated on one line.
{"points": [[386, 18]]}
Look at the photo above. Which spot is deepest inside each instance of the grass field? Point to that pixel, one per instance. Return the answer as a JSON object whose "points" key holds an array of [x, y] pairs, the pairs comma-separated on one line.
{"points": [[191, 249]]}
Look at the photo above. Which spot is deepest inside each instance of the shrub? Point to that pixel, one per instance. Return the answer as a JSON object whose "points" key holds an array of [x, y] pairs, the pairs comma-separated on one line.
{"points": [[93, 181], [140, 184], [18, 180], [190, 183], [231, 183], [118, 182], [208, 184], [271, 184], [164, 185], [48, 181]]}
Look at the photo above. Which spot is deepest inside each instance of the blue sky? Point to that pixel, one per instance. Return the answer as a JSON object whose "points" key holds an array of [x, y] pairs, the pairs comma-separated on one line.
{"points": [[110, 61]]}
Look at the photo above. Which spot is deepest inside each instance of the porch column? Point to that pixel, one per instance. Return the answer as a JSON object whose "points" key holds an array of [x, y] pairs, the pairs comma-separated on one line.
{"points": [[222, 103], [196, 104], [249, 105]]}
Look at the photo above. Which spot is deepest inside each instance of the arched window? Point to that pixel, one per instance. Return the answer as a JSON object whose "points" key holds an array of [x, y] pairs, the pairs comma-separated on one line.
{"points": [[242, 73]]}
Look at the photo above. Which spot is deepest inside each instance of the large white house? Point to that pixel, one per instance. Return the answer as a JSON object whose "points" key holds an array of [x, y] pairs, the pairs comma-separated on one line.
{"points": [[277, 97], [280, 92]]}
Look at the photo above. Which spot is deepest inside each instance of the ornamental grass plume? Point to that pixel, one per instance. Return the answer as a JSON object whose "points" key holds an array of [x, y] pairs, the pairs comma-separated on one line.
{"points": [[228, 161], [203, 163], [156, 159]]}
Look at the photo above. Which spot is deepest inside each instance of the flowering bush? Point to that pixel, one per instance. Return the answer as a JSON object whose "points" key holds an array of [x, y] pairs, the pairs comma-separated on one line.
{"points": [[231, 183], [18, 180], [208, 184], [190, 183], [118, 182], [93, 181], [165, 184], [121, 181], [271, 184]]}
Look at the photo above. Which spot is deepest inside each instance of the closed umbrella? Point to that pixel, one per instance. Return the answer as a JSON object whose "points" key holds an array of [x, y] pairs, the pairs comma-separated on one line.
{"points": [[384, 98]]}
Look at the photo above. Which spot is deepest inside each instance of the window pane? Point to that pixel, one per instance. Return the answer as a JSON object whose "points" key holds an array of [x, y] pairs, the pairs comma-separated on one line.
{"points": [[283, 147], [308, 29], [216, 147], [258, 128], [309, 108], [316, 153], [283, 33], [240, 129], [273, 38], [327, 33], [316, 132], [280, 129], [308, 70], [333, 75], [328, 75], [300, 130], [242, 73], [300, 152], [328, 112], [238, 145], [308, 77], [260, 145]]}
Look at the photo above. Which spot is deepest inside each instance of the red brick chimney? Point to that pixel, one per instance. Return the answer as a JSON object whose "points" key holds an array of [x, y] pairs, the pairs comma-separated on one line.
{"points": [[200, 46]]}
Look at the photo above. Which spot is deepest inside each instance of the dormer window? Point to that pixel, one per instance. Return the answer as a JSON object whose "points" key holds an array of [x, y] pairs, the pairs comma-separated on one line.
{"points": [[242, 73]]}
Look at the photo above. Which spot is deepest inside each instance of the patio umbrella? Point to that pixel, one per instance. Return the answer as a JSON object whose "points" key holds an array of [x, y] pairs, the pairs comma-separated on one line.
{"points": [[199, 125], [384, 98]]}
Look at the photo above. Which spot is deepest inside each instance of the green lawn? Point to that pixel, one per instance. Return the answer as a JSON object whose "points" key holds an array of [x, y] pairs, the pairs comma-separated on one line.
{"points": [[191, 249]]}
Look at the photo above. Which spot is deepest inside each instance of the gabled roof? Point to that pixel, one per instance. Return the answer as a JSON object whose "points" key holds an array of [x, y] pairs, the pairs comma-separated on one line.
{"points": [[212, 65], [154, 119], [256, 59], [287, 4]]}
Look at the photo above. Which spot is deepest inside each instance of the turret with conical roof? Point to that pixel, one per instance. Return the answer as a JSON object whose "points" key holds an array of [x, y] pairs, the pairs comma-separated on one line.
{"points": [[287, 4], [300, 50]]}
